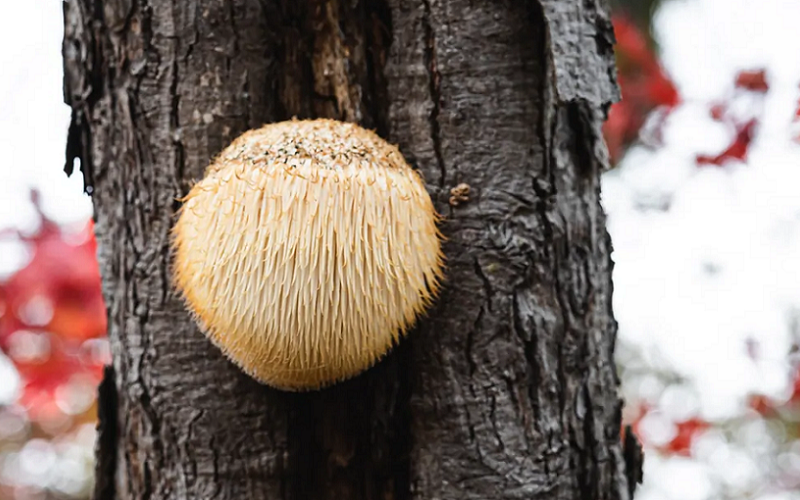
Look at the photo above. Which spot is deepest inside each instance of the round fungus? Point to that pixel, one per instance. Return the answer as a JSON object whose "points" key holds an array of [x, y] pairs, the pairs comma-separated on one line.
{"points": [[306, 251]]}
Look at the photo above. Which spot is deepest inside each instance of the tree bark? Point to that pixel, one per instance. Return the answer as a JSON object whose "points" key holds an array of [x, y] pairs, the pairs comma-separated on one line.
{"points": [[507, 389]]}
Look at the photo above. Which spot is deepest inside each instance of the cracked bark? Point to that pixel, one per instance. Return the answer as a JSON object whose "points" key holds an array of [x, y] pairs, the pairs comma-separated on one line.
{"points": [[507, 389]]}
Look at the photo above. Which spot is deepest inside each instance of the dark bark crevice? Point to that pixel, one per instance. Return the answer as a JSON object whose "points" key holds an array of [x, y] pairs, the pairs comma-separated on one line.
{"points": [[434, 84], [634, 459], [332, 55], [107, 437], [378, 40]]}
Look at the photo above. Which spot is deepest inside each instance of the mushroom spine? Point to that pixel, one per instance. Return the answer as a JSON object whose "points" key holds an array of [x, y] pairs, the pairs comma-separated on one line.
{"points": [[306, 251]]}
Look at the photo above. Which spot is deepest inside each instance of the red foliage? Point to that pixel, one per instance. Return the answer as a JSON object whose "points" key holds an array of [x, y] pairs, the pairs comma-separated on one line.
{"points": [[762, 405], [645, 87], [718, 111], [50, 309], [754, 81], [687, 431], [737, 150], [768, 407]]}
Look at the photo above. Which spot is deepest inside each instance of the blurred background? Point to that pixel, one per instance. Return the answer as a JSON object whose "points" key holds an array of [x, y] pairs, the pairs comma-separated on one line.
{"points": [[703, 207]]}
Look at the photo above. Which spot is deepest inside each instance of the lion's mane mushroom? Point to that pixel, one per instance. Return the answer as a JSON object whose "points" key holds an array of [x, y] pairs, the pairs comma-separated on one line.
{"points": [[306, 251]]}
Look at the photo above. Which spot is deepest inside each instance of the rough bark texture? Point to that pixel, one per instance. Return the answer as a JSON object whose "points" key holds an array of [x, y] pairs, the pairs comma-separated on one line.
{"points": [[507, 390]]}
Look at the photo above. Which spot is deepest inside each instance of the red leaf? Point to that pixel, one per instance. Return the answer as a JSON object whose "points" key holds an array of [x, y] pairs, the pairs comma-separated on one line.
{"points": [[754, 81], [763, 405], [50, 308], [717, 111], [631, 42], [644, 84], [736, 151], [661, 90], [59, 290], [686, 432]]}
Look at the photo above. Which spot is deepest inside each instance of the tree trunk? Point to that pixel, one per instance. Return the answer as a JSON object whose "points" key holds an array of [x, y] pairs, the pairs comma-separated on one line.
{"points": [[507, 389]]}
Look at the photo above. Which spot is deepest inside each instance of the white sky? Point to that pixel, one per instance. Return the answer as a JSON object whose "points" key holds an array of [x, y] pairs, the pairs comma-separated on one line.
{"points": [[743, 220], [33, 117]]}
